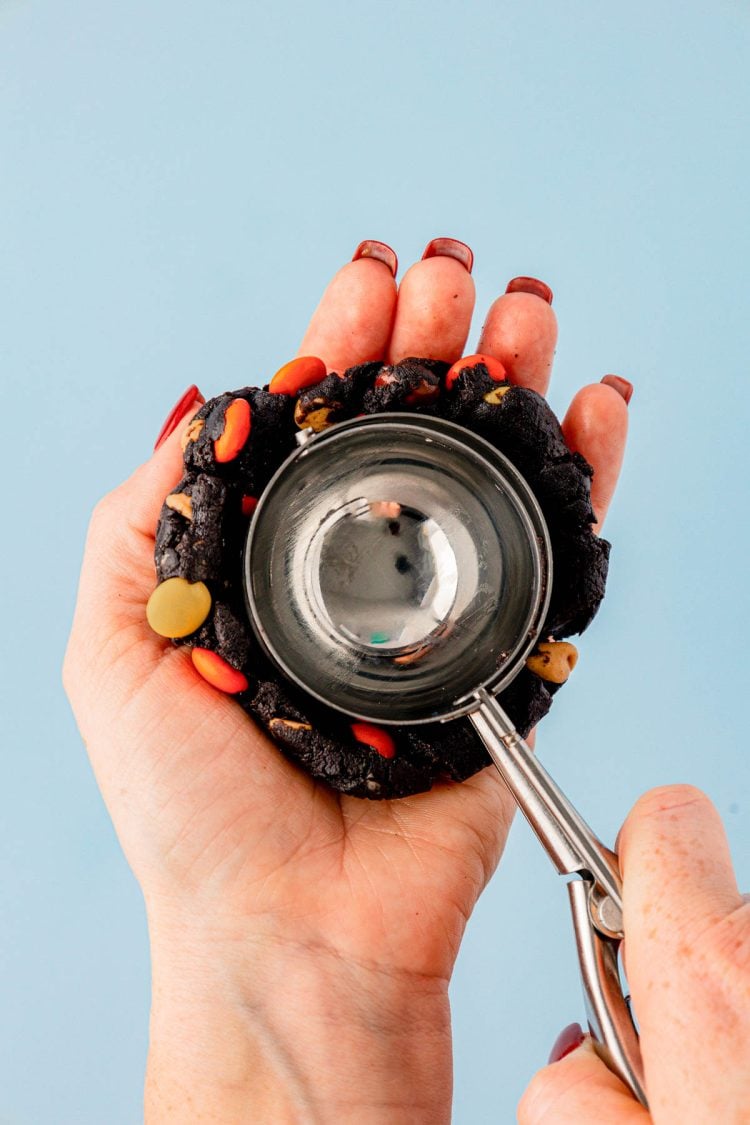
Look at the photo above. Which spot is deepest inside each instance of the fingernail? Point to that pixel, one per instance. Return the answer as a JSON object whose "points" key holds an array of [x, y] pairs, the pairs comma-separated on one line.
{"points": [[177, 413], [450, 248], [381, 251], [569, 1038], [622, 386], [530, 285]]}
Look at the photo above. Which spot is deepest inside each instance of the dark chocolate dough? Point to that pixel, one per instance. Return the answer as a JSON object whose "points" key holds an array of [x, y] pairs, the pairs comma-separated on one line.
{"points": [[208, 548]]}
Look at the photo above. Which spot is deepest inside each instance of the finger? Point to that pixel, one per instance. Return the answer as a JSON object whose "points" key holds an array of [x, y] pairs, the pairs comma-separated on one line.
{"points": [[521, 331], [353, 321], [435, 304], [139, 499], [596, 426], [579, 1090], [117, 572], [675, 856], [685, 934]]}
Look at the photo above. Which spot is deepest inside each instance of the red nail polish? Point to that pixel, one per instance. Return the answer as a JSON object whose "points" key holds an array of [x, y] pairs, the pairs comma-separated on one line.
{"points": [[177, 413], [381, 251], [622, 386], [530, 285], [450, 248], [569, 1038]]}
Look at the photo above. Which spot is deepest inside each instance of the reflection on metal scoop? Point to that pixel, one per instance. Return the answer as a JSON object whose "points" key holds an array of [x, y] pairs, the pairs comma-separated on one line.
{"points": [[398, 568], [384, 580]]}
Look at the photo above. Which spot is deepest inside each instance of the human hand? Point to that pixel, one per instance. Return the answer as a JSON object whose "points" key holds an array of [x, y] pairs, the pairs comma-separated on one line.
{"points": [[688, 965], [265, 891]]}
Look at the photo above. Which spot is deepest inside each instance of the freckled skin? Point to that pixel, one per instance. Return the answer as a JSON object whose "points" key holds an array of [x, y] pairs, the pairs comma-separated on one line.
{"points": [[353, 321], [689, 975], [596, 425], [426, 325], [521, 331]]}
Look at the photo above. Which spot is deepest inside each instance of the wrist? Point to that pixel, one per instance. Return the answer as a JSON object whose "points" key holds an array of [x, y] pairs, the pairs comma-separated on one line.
{"points": [[270, 1029]]}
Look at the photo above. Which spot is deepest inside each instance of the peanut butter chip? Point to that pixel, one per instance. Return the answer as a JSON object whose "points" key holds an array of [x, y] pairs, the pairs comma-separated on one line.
{"points": [[495, 395], [553, 661], [180, 502], [316, 415], [290, 724], [178, 607], [192, 432]]}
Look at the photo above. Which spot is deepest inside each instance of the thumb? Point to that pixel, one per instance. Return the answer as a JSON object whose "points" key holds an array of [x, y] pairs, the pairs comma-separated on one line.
{"points": [[141, 496], [579, 1090], [117, 573]]}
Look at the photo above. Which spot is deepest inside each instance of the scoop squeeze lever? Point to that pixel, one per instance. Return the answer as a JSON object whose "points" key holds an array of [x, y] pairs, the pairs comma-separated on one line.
{"points": [[595, 898]]}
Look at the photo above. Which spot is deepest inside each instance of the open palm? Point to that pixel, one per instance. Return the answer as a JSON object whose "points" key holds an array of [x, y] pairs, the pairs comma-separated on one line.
{"points": [[208, 811]]}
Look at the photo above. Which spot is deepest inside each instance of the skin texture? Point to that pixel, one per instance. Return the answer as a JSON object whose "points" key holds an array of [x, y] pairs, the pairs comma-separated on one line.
{"points": [[433, 314], [521, 331], [302, 941], [582, 427], [688, 963], [354, 317]]}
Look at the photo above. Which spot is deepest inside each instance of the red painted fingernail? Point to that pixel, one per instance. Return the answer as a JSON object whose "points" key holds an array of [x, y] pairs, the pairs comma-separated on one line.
{"points": [[622, 386], [177, 413], [381, 251], [569, 1038], [450, 248], [530, 285]]}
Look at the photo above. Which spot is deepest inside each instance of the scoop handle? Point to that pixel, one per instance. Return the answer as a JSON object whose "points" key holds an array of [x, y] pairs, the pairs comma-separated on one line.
{"points": [[596, 899], [563, 833]]}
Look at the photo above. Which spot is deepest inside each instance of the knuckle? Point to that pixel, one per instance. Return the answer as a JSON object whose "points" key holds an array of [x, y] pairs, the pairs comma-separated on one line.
{"points": [[665, 798], [109, 514], [663, 801], [103, 511], [655, 808]]}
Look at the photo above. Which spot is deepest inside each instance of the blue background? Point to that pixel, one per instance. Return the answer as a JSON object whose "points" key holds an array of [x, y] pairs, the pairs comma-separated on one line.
{"points": [[178, 180]]}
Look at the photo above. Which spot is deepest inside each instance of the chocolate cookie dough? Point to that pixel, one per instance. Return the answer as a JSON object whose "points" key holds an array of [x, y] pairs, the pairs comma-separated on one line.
{"points": [[233, 446]]}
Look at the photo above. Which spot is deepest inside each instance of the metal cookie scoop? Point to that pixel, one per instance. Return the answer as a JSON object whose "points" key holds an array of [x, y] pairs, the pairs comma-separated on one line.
{"points": [[398, 568]]}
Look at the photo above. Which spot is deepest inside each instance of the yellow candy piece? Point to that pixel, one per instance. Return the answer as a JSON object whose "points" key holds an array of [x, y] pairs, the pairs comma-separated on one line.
{"points": [[178, 607]]}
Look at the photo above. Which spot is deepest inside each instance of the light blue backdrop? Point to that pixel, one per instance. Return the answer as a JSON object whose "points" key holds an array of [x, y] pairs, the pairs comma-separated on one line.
{"points": [[177, 182]]}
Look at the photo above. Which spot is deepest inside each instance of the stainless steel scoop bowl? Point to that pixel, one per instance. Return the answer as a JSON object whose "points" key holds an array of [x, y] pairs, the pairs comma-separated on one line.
{"points": [[398, 568], [394, 565]]}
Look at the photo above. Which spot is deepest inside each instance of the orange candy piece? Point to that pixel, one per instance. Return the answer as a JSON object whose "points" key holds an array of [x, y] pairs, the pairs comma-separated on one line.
{"points": [[293, 377], [217, 672], [376, 738], [237, 418], [495, 368]]}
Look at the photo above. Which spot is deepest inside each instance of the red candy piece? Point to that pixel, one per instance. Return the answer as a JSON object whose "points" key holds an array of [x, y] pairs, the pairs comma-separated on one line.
{"points": [[249, 504], [376, 738], [237, 418], [217, 672], [495, 368], [299, 373]]}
